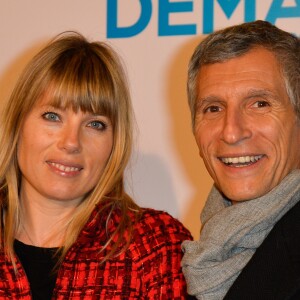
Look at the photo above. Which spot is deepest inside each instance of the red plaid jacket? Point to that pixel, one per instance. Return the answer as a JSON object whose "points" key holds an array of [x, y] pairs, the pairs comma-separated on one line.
{"points": [[149, 269]]}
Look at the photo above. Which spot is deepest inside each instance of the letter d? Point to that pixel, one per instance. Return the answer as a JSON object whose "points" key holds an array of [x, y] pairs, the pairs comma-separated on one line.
{"points": [[113, 31]]}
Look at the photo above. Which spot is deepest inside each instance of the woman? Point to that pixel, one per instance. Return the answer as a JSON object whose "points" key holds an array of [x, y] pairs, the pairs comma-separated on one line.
{"points": [[68, 229]]}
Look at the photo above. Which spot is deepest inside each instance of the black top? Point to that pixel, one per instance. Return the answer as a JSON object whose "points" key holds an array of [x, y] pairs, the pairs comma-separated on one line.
{"points": [[273, 272], [38, 264]]}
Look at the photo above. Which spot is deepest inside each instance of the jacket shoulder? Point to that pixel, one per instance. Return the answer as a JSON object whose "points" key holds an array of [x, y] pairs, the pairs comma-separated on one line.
{"points": [[159, 227]]}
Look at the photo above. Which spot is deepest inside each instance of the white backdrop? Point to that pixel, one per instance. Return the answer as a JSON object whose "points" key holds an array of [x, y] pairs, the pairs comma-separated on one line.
{"points": [[166, 172]]}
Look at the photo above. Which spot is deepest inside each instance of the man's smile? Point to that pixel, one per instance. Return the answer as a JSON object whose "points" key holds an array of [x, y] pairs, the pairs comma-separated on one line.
{"points": [[240, 161]]}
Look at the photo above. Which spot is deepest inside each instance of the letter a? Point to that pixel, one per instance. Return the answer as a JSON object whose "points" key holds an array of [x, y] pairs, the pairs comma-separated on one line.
{"points": [[277, 10]]}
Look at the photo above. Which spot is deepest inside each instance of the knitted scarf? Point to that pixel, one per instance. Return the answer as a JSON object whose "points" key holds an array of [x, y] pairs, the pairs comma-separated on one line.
{"points": [[230, 236]]}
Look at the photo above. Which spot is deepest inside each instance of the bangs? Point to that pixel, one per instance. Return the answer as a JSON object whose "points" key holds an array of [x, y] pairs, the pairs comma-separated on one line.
{"points": [[82, 83]]}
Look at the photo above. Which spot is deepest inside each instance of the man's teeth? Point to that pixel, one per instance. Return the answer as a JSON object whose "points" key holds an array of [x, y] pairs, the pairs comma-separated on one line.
{"points": [[241, 159], [65, 168]]}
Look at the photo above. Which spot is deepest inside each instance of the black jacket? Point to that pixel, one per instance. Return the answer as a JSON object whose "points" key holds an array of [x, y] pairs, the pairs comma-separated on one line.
{"points": [[273, 273]]}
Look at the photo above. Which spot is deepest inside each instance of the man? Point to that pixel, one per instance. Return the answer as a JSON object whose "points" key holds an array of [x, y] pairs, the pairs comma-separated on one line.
{"points": [[243, 89]]}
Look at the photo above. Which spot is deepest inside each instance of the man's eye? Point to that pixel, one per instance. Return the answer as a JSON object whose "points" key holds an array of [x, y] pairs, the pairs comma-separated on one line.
{"points": [[261, 103], [98, 125], [212, 109], [51, 116]]}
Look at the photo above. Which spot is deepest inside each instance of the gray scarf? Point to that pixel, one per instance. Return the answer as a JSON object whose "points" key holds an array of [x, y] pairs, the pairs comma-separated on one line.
{"points": [[230, 235]]}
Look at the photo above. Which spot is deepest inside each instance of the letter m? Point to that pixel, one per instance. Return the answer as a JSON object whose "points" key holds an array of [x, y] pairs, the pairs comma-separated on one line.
{"points": [[228, 7]]}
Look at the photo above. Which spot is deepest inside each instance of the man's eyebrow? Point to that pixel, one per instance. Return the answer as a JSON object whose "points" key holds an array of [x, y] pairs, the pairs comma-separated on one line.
{"points": [[200, 102], [259, 93], [250, 93]]}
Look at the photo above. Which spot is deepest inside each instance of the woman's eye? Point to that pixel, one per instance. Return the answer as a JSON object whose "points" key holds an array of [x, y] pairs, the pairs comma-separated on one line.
{"points": [[98, 125], [51, 116]]}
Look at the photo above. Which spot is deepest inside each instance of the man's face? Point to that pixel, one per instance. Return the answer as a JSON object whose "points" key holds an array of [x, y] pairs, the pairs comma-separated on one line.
{"points": [[245, 126]]}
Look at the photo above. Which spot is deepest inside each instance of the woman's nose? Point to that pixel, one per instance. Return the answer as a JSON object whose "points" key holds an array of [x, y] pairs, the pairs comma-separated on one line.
{"points": [[69, 139]]}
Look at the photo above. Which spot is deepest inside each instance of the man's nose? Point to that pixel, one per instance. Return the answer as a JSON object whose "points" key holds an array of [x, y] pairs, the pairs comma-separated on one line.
{"points": [[235, 127]]}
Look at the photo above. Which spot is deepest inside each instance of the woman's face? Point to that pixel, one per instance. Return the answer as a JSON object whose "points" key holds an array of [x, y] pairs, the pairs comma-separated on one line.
{"points": [[62, 153]]}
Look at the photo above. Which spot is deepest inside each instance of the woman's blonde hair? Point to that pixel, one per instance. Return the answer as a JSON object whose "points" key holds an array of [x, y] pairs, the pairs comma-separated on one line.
{"points": [[86, 76]]}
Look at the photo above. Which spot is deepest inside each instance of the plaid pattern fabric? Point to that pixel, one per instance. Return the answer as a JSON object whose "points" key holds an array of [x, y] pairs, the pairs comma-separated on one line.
{"points": [[148, 269]]}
